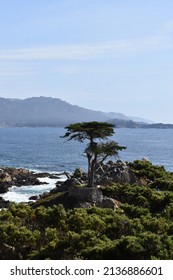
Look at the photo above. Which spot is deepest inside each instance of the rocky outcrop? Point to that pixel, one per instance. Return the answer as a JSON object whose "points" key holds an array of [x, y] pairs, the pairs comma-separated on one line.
{"points": [[19, 177], [88, 197], [115, 172], [111, 172], [74, 192], [76, 197], [93, 195]]}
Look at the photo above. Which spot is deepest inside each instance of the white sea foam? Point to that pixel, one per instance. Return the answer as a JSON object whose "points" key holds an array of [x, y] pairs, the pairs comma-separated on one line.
{"points": [[23, 193]]}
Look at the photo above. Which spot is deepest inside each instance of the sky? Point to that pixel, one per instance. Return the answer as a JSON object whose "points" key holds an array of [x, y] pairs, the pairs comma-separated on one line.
{"points": [[105, 55]]}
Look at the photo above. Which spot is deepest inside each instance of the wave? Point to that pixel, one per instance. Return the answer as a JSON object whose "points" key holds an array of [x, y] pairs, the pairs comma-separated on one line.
{"points": [[23, 193]]}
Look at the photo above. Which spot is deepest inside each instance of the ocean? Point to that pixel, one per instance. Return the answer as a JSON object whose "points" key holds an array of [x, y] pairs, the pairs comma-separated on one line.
{"points": [[42, 149]]}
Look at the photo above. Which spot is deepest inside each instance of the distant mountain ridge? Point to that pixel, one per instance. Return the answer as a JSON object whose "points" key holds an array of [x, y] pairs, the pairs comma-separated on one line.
{"points": [[48, 111], [131, 124]]}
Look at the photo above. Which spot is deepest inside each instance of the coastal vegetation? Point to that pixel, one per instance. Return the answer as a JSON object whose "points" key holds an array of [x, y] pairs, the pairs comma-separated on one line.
{"points": [[141, 227], [128, 216]]}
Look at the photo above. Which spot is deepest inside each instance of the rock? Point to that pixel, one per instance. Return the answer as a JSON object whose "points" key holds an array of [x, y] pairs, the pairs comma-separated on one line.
{"points": [[72, 182], [61, 188], [74, 192], [5, 177], [84, 204], [4, 203], [80, 175], [115, 172], [145, 159], [34, 197], [93, 195], [46, 174], [108, 202], [19, 177], [4, 186]]}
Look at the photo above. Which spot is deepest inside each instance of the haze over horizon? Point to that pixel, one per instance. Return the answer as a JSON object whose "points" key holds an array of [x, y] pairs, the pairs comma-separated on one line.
{"points": [[109, 56]]}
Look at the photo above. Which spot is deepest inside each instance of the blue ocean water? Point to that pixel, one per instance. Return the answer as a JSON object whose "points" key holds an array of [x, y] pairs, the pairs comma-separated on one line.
{"points": [[43, 149]]}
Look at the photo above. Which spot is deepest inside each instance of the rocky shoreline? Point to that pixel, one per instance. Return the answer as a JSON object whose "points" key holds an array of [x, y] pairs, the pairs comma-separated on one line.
{"points": [[73, 192], [14, 177], [18, 177]]}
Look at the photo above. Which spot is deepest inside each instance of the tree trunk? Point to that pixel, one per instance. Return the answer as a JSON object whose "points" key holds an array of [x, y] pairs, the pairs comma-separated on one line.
{"points": [[92, 160], [91, 170], [91, 177]]}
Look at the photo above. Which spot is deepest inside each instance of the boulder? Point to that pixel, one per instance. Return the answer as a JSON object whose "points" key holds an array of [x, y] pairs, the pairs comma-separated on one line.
{"points": [[3, 203], [5, 177], [72, 182], [80, 175], [34, 197], [108, 202], [93, 195], [4, 186]]}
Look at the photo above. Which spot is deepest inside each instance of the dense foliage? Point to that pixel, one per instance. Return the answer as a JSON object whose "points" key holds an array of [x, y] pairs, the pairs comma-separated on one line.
{"points": [[141, 228]]}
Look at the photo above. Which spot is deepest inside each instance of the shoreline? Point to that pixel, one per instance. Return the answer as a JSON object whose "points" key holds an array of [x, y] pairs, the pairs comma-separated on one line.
{"points": [[23, 185], [31, 185]]}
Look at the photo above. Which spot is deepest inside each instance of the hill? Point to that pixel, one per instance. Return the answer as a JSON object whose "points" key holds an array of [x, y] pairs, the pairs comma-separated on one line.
{"points": [[47, 111], [121, 123]]}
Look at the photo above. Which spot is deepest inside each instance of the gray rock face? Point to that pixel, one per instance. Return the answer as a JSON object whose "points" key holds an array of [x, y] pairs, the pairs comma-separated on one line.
{"points": [[88, 197], [117, 172], [111, 172], [108, 202], [93, 195], [19, 177]]}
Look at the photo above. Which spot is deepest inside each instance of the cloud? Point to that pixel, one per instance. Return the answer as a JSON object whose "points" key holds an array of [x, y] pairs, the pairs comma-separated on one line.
{"points": [[13, 68], [64, 70], [89, 50]]}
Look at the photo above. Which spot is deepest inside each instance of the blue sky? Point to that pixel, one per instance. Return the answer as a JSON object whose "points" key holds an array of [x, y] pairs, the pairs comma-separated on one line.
{"points": [[108, 55]]}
